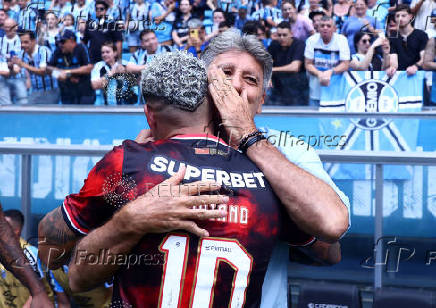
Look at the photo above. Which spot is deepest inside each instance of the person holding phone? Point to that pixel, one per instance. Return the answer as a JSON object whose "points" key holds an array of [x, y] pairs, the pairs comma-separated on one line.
{"points": [[366, 58], [197, 38]]}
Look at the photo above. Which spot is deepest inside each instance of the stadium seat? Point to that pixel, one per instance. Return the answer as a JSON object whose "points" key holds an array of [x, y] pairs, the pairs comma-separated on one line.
{"points": [[403, 298], [328, 295]]}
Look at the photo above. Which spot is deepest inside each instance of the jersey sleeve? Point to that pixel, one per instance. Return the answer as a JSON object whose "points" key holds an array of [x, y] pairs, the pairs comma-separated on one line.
{"points": [[91, 207], [309, 51], [344, 49], [95, 73]]}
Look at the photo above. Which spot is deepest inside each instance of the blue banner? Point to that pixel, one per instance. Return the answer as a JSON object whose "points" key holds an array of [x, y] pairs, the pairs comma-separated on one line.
{"points": [[372, 92]]}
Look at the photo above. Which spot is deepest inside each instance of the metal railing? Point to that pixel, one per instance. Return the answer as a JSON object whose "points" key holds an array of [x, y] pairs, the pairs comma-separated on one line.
{"points": [[379, 159], [303, 111]]}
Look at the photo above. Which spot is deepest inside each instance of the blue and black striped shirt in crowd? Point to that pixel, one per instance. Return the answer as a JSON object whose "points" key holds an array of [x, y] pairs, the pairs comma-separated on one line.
{"points": [[9, 48], [27, 18], [39, 59]]}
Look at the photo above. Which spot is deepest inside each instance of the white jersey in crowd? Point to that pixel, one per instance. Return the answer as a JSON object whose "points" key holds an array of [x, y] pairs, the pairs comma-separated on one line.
{"points": [[7, 45], [138, 16], [325, 57], [141, 57], [422, 18]]}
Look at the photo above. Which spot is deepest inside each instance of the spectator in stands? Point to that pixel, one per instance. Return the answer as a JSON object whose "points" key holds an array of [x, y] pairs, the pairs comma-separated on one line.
{"points": [[301, 26], [407, 48], [61, 7], [269, 15], [198, 9], [391, 26], [10, 42], [250, 27], [100, 31], [288, 79], [254, 27], [242, 17], [230, 7], [366, 57], [68, 23], [326, 53], [180, 31], [136, 18], [318, 6], [429, 62], [224, 26], [197, 38], [316, 19], [34, 59], [162, 14], [49, 32], [114, 11], [218, 16], [2, 22], [109, 75], [7, 7], [422, 10], [359, 22], [26, 17], [13, 82], [378, 11], [81, 12], [341, 12], [149, 48], [71, 67]]}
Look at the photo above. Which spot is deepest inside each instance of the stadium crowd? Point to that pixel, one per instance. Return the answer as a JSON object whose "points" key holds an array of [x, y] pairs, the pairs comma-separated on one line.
{"points": [[92, 51]]}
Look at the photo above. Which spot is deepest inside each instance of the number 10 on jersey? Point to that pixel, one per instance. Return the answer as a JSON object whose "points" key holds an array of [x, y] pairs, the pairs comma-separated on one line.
{"points": [[211, 252]]}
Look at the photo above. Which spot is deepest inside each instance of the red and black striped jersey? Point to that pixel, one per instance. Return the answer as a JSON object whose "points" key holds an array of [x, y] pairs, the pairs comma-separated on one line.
{"points": [[178, 269]]}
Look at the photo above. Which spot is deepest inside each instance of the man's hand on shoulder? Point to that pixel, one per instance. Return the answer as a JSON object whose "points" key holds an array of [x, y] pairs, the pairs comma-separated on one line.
{"points": [[169, 206], [144, 136]]}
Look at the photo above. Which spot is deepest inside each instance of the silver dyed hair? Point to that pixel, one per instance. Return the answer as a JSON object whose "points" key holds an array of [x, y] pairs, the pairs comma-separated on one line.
{"points": [[231, 40], [178, 78]]}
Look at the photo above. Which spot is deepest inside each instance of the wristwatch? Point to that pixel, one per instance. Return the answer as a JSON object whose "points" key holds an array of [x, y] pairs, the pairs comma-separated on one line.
{"points": [[68, 73]]}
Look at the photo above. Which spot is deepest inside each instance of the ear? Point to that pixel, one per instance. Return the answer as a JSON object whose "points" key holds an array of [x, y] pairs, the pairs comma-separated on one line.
{"points": [[150, 118], [262, 101]]}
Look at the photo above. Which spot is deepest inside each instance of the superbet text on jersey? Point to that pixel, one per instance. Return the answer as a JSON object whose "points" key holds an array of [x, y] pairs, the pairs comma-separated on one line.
{"points": [[178, 269]]}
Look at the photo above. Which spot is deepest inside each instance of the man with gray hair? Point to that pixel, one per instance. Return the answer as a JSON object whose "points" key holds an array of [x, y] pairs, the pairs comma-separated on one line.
{"points": [[226, 267], [239, 70]]}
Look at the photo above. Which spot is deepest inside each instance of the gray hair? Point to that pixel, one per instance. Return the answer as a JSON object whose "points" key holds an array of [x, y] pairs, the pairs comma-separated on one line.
{"points": [[176, 77], [231, 40], [195, 23]]}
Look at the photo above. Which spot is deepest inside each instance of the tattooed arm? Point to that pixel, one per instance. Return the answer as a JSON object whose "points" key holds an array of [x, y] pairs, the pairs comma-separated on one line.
{"points": [[56, 240], [13, 259]]}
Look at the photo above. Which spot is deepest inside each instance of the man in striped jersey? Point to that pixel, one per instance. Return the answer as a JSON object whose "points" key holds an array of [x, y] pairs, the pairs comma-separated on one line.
{"points": [[149, 48], [13, 87], [34, 59], [27, 16]]}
